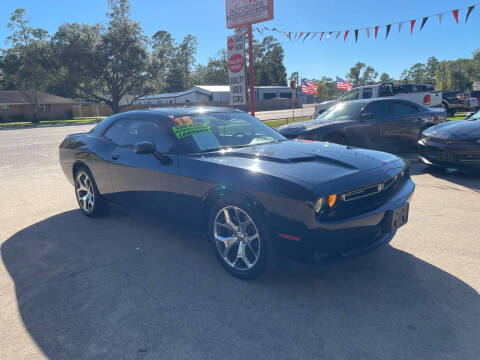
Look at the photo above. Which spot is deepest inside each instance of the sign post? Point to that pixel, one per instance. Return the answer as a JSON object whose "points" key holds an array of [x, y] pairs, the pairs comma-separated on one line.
{"points": [[252, 75], [242, 13]]}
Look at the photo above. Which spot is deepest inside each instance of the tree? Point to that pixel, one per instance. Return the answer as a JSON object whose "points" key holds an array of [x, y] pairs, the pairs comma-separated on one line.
{"points": [[430, 70], [354, 74], [385, 78], [369, 76], [103, 62], [186, 55], [23, 71], [163, 53], [322, 90], [216, 71], [273, 71], [174, 78]]}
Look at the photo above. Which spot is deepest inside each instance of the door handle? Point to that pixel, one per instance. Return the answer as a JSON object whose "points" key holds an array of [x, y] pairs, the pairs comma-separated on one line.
{"points": [[115, 156]]}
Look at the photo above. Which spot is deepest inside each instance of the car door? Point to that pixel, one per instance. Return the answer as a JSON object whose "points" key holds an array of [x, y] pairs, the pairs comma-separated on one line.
{"points": [[405, 124], [146, 182], [374, 116]]}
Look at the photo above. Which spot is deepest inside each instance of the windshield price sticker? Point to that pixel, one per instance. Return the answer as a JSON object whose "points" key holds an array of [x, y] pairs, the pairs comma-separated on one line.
{"points": [[190, 129], [182, 120]]}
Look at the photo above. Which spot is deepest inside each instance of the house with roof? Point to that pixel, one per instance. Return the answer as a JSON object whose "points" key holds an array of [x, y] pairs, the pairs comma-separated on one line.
{"points": [[26, 105], [218, 94]]}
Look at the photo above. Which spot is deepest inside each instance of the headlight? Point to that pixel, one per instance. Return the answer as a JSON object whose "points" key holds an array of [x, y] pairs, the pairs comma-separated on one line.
{"points": [[319, 204], [422, 141]]}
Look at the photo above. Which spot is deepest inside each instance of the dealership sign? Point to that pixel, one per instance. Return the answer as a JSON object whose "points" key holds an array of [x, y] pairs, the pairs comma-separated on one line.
{"points": [[236, 69], [245, 12]]}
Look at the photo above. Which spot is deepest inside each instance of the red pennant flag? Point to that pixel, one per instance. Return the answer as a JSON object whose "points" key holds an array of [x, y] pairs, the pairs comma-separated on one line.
{"points": [[376, 31], [455, 15], [346, 34], [412, 25], [321, 36]]}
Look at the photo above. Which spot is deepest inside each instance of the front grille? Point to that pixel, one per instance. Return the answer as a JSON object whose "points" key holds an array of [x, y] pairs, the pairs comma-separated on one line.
{"points": [[367, 198]]}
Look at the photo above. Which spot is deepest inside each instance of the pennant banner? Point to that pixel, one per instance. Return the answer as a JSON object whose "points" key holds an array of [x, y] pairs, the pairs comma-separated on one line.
{"points": [[309, 35]]}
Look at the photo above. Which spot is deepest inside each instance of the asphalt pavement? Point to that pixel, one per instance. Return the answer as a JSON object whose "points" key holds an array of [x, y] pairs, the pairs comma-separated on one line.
{"points": [[122, 287]]}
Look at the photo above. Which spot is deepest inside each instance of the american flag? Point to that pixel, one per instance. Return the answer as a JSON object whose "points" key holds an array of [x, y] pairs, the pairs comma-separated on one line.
{"points": [[309, 88], [342, 84]]}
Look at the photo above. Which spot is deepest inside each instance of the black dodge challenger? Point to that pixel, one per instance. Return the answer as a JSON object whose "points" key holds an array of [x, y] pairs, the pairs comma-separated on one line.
{"points": [[455, 144], [258, 194], [381, 124]]}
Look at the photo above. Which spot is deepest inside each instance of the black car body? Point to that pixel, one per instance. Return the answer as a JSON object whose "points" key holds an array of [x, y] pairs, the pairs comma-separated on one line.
{"points": [[381, 124], [455, 144], [278, 182]]}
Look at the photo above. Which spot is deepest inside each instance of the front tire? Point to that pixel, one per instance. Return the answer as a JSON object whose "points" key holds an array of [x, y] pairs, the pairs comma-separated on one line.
{"points": [[86, 192], [240, 240]]}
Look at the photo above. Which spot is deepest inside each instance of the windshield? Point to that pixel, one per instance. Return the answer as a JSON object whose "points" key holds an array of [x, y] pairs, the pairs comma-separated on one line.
{"points": [[342, 111], [475, 116], [213, 131]]}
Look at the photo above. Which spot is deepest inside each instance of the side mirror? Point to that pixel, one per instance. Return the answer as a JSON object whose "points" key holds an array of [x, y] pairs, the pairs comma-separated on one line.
{"points": [[145, 147], [366, 116]]}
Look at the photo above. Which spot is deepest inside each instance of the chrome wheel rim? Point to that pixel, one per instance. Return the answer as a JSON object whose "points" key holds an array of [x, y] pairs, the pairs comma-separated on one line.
{"points": [[85, 193], [237, 238]]}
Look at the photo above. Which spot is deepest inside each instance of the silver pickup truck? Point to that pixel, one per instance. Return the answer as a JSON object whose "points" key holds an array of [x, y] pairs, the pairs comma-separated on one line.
{"points": [[420, 94]]}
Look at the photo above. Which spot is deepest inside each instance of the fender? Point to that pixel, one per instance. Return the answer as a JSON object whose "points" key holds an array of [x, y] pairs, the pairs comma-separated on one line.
{"points": [[225, 192]]}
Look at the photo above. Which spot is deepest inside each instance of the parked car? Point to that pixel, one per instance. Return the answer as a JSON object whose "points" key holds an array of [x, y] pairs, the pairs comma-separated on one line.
{"points": [[454, 144], [382, 124], [456, 101], [419, 94], [258, 195]]}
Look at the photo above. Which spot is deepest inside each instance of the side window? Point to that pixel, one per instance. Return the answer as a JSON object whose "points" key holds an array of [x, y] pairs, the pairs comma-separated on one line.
{"points": [[367, 93], [127, 132], [379, 109], [402, 109], [351, 95]]}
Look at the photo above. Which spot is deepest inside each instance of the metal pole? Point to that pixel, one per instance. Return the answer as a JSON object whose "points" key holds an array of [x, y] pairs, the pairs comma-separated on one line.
{"points": [[250, 65]]}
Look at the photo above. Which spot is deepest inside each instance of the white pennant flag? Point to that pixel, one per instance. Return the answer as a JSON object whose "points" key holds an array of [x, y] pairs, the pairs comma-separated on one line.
{"points": [[329, 34], [440, 18], [338, 34], [400, 24], [367, 30]]}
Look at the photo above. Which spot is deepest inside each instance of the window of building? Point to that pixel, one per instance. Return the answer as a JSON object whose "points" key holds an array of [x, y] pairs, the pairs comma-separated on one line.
{"points": [[268, 96], [286, 95], [4, 107], [45, 107]]}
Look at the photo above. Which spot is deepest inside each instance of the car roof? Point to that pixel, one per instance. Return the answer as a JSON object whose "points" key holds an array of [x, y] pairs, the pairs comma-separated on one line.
{"points": [[182, 111]]}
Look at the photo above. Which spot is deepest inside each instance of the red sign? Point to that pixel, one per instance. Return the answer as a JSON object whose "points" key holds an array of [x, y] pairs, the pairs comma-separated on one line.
{"points": [[230, 44], [244, 12], [235, 63]]}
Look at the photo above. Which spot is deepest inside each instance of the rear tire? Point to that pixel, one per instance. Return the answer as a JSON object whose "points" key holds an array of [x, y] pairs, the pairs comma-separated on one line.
{"points": [[240, 240], [86, 192]]}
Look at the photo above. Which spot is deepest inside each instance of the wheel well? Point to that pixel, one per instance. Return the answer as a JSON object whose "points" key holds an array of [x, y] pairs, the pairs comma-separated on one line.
{"points": [[77, 165], [225, 194]]}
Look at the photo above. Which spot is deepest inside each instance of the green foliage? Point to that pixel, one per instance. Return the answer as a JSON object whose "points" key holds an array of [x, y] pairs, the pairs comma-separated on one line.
{"points": [[185, 55]]}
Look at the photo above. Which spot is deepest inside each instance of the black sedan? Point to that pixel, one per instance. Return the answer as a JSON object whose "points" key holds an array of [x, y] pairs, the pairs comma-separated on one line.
{"points": [[455, 144], [258, 194], [381, 124]]}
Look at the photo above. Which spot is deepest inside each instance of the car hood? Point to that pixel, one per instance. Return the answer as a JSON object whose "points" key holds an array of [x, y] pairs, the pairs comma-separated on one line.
{"points": [[308, 163], [464, 130], [300, 127]]}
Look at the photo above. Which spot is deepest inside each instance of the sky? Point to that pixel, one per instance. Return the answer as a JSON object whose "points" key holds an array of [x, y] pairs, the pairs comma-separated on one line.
{"points": [[312, 59]]}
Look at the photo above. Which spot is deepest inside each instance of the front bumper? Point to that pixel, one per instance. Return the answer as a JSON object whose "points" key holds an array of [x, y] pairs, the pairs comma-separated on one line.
{"points": [[454, 155], [333, 241]]}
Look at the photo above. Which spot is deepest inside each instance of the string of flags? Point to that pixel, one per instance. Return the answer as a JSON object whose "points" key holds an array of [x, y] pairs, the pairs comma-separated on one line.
{"points": [[320, 35]]}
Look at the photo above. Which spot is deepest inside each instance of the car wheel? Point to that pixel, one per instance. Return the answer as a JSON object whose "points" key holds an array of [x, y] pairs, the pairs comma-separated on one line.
{"points": [[336, 139], [240, 240], [88, 198]]}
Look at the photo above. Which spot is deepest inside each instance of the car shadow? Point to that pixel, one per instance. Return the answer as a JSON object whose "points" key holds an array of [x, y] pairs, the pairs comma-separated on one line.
{"points": [[467, 179], [119, 287]]}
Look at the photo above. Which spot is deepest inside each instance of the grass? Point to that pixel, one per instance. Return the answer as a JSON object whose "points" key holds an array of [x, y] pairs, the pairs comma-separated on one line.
{"points": [[76, 121], [457, 116], [280, 122]]}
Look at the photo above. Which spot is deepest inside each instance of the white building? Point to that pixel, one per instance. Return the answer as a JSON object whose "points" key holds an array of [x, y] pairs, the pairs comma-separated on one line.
{"points": [[213, 93]]}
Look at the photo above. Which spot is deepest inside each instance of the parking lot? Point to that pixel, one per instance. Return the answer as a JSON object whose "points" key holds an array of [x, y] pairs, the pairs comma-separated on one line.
{"points": [[121, 287]]}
